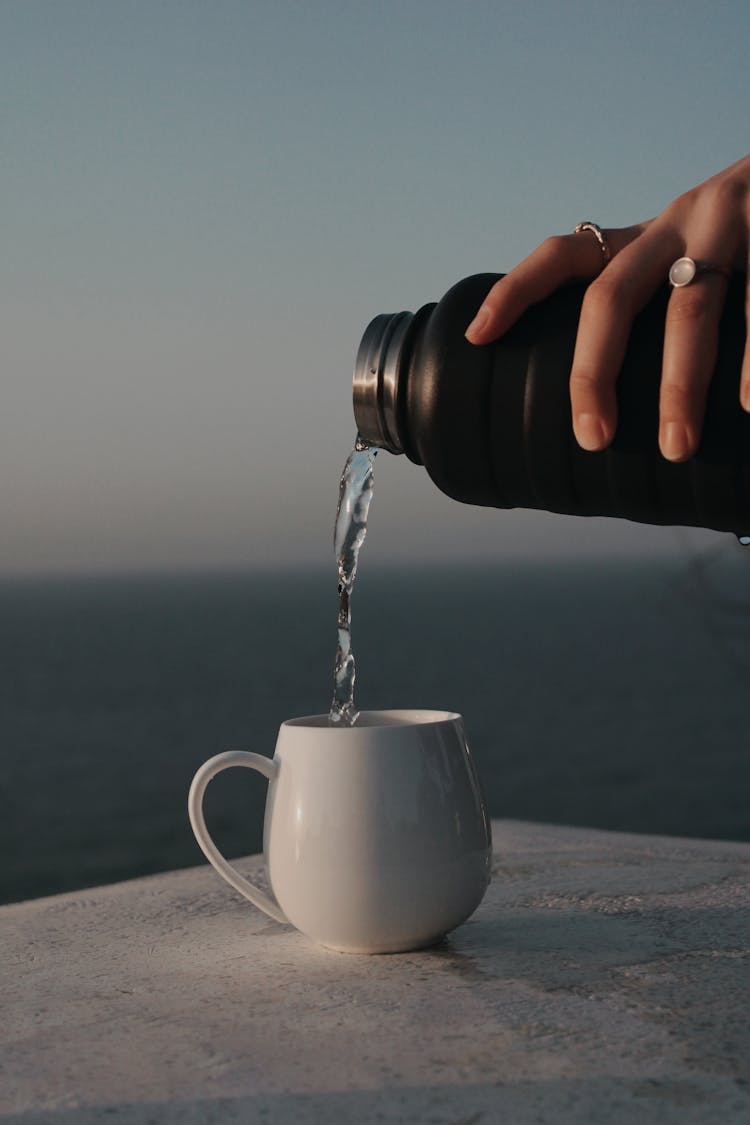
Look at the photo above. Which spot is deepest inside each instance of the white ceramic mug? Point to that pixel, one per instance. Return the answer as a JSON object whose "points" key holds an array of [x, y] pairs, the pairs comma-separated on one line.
{"points": [[376, 838]]}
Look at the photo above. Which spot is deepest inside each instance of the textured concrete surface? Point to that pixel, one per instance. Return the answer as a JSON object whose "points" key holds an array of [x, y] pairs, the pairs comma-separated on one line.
{"points": [[605, 978]]}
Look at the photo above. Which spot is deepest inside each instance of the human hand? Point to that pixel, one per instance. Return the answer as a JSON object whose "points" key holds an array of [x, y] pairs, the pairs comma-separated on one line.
{"points": [[711, 224]]}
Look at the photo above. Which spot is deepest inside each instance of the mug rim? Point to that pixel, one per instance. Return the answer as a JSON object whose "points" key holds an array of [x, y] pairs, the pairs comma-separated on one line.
{"points": [[399, 719]]}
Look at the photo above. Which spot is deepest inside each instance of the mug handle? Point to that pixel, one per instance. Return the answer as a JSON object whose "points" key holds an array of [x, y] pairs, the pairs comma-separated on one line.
{"points": [[207, 771]]}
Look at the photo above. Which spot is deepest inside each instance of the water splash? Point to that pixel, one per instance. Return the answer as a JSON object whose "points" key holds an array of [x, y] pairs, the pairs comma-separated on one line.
{"points": [[355, 495]]}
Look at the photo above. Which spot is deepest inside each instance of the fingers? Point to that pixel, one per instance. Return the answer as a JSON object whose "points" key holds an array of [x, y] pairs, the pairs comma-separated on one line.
{"points": [[711, 224], [557, 260], [609, 307]]}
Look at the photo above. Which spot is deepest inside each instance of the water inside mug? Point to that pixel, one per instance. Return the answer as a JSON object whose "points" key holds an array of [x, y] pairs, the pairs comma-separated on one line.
{"points": [[400, 718]]}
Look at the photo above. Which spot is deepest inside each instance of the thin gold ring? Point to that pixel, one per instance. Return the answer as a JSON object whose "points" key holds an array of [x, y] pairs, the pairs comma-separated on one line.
{"points": [[600, 237]]}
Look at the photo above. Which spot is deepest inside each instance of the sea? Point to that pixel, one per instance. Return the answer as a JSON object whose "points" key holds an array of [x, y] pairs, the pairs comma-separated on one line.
{"points": [[612, 693]]}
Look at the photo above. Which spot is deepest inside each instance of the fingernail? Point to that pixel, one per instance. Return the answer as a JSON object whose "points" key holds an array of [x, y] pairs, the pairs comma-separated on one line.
{"points": [[590, 432], [745, 397], [675, 441], [479, 322]]}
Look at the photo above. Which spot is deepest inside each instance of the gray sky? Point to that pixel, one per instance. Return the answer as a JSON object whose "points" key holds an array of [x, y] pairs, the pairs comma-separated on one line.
{"points": [[206, 202]]}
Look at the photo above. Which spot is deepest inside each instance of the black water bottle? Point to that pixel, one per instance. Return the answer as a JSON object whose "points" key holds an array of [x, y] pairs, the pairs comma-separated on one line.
{"points": [[492, 424]]}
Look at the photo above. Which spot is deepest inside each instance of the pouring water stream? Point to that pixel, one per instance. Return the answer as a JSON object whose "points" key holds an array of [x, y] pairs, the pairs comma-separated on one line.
{"points": [[355, 494]]}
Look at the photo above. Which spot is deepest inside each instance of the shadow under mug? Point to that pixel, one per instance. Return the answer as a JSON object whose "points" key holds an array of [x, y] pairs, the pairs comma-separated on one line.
{"points": [[376, 838]]}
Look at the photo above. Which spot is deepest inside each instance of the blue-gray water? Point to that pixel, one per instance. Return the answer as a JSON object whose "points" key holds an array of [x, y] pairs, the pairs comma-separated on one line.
{"points": [[613, 695]]}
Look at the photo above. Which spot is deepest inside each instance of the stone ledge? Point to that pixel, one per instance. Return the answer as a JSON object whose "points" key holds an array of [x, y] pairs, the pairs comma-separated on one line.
{"points": [[606, 977]]}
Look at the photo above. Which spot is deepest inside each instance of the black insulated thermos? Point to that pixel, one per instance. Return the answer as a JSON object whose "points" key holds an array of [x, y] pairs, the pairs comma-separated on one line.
{"points": [[492, 424]]}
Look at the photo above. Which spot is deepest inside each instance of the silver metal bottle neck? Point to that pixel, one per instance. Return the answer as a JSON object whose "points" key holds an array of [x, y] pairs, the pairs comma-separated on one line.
{"points": [[377, 371]]}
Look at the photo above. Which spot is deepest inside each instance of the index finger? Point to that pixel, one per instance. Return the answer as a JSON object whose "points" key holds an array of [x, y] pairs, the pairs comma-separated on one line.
{"points": [[557, 260]]}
